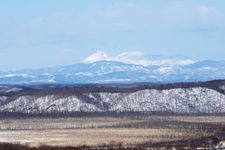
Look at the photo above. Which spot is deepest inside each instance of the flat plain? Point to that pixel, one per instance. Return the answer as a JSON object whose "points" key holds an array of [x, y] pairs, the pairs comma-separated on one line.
{"points": [[128, 130]]}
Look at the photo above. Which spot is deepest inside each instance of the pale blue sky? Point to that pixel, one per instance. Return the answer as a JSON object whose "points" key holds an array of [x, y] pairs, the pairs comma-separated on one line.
{"points": [[41, 33]]}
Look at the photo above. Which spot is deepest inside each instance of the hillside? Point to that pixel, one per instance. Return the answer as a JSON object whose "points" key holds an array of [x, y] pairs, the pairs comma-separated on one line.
{"points": [[195, 97]]}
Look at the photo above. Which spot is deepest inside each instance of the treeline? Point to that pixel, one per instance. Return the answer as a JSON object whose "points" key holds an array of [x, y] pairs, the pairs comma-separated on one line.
{"points": [[205, 143], [129, 88], [78, 114], [6, 114]]}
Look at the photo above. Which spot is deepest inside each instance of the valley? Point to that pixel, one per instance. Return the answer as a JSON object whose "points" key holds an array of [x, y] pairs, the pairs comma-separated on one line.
{"points": [[117, 116]]}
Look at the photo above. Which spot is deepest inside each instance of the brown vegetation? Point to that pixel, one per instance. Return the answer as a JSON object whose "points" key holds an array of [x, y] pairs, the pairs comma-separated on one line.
{"points": [[121, 132]]}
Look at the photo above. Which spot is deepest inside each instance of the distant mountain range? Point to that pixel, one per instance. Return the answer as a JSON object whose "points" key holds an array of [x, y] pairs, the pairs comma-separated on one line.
{"points": [[123, 68]]}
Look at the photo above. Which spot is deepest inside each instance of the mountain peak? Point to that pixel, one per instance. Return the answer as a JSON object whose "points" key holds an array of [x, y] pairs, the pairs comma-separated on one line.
{"points": [[139, 58], [126, 67], [97, 56]]}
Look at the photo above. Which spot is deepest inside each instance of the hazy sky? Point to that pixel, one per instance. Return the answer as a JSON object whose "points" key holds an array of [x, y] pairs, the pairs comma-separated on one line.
{"points": [[40, 33]]}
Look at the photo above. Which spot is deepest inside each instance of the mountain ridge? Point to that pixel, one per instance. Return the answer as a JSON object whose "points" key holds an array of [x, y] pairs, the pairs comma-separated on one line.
{"points": [[107, 69], [195, 97]]}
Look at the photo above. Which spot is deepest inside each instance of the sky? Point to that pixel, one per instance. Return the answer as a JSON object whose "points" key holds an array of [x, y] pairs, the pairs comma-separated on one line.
{"points": [[42, 33]]}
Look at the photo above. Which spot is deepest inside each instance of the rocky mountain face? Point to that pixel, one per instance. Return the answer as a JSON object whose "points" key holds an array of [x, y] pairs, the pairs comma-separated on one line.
{"points": [[198, 97]]}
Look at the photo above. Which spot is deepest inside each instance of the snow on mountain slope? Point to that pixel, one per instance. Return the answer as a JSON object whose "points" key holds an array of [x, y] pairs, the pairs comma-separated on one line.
{"points": [[184, 98], [139, 58], [123, 68], [98, 56]]}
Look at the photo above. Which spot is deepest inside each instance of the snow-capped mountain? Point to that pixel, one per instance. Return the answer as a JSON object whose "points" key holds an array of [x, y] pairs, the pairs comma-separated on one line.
{"points": [[127, 91], [123, 68], [139, 58]]}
